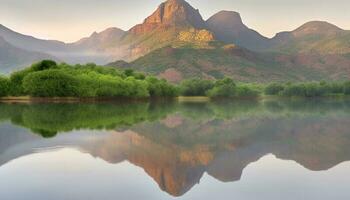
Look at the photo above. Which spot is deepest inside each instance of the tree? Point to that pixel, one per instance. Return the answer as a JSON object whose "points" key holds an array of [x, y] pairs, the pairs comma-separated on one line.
{"points": [[16, 80], [196, 87], [274, 89], [44, 65], [347, 88], [294, 90], [160, 88], [223, 88], [4, 86], [50, 83], [245, 91]]}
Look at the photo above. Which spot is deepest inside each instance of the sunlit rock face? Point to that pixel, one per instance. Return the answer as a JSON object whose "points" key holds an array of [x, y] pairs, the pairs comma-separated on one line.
{"points": [[171, 13]]}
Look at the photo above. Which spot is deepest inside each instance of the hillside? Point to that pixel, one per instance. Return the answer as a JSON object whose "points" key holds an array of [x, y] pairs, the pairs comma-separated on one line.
{"points": [[176, 64], [313, 37]]}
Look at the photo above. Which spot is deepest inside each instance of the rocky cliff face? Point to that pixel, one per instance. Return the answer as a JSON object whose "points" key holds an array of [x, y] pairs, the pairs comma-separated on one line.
{"points": [[171, 13]]}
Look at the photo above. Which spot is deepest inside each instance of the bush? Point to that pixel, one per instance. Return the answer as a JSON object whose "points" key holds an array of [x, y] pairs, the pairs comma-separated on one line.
{"points": [[274, 89], [50, 83], [196, 87], [223, 88], [246, 91], [314, 90], [294, 90], [333, 88], [4, 86], [160, 88], [16, 80], [346, 88], [44, 65], [305, 90]]}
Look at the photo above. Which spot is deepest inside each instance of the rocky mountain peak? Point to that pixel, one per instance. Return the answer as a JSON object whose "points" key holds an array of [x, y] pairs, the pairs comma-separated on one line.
{"points": [[172, 13]]}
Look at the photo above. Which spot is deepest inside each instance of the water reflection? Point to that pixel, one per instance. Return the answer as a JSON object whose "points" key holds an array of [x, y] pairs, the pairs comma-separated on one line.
{"points": [[177, 143]]}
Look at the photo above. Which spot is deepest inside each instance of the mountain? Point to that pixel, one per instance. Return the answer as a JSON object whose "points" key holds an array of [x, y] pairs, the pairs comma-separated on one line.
{"points": [[13, 58], [171, 13], [228, 27], [100, 41], [28, 42], [98, 48], [313, 37], [175, 22]]}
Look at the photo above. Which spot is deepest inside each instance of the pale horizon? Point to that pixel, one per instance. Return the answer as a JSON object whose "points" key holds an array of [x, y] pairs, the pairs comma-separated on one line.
{"points": [[69, 21]]}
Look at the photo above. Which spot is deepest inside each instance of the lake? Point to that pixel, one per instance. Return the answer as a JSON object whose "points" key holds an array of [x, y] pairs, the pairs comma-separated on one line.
{"points": [[233, 149]]}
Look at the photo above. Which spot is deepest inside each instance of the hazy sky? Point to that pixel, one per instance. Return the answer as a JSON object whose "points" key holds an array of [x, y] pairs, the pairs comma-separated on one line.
{"points": [[69, 20]]}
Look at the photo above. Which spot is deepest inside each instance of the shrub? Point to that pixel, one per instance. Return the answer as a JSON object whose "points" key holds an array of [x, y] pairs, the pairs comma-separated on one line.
{"points": [[44, 65], [160, 88], [294, 90], [223, 88], [16, 80], [333, 88], [314, 90], [4, 86], [347, 88], [246, 91], [50, 83], [196, 87], [274, 89]]}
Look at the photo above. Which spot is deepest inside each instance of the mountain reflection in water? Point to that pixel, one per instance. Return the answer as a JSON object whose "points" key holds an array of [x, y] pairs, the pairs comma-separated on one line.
{"points": [[176, 143]]}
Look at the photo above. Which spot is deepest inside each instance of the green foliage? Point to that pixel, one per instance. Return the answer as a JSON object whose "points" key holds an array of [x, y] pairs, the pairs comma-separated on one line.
{"points": [[16, 79], [4, 86], [274, 89], [49, 79], [196, 87], [223, 88], [246, 91], [305, 90], [44, 65], [50, 83], [160, 88], [347, 88]]}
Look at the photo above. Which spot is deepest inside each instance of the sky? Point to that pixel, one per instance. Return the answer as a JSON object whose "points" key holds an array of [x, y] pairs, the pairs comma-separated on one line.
{"points": [[70, 20]]}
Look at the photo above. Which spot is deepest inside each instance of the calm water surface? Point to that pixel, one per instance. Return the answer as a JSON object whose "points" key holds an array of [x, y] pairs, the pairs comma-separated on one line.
{"points": [[224, 150]]}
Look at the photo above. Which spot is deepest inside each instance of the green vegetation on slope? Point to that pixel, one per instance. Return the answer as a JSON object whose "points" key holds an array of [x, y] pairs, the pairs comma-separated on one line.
{"points": [[238, 63]]}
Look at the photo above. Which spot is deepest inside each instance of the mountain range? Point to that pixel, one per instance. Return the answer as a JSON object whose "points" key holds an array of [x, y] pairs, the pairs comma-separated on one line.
{"points": [[175, 42]]}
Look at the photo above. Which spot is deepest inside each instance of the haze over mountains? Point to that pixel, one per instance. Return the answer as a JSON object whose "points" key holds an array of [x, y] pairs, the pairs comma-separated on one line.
{"points": [[219, 46]]}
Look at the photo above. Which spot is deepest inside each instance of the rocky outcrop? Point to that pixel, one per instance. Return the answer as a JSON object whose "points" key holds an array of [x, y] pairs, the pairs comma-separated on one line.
{"points": [[171, 13]]}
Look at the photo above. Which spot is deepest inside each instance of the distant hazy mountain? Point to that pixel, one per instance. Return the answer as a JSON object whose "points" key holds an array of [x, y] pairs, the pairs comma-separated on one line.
{"points": [[315, 37], [28, 42], [100, 41], [228, 27], [13, 58]]}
